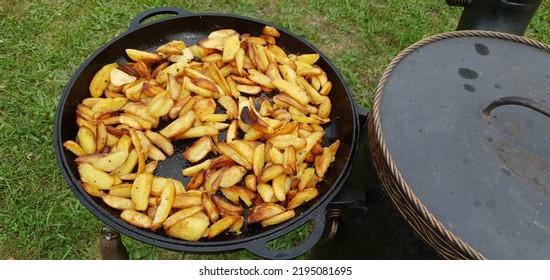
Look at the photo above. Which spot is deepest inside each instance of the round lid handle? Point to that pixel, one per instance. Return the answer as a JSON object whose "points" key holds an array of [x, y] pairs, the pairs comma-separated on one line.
{"points": [[517, 100]]}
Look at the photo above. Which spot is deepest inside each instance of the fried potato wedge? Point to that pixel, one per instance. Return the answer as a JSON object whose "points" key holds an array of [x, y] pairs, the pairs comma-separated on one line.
{"points": [[199, 150], [160, 141], [270, 172], [120, 203], [166, 201], [74, 148], [302, 197], [266, 192], [179, 126], [192, 170], [86, 139], [231, 176], [111, 161], [93, 190], [143, 56], [222, 225], [228, 151], [187, 199], [121, 190], [140, 191], [323, 161], [199, 132], [95, 177], [263, 211], [210, 207], [197, 180], [231, 46], [180, 215], [279, 218], [136, 218], [227, 208], [101, 80], [190, 228], [237, 225]]}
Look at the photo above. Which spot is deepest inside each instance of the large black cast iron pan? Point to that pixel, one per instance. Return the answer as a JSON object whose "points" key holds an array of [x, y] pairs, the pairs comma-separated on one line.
{"points": [[190, 27]]}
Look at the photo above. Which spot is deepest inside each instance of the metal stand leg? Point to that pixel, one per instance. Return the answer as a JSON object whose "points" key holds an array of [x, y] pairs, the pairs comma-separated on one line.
{"points": [[111, 246]]}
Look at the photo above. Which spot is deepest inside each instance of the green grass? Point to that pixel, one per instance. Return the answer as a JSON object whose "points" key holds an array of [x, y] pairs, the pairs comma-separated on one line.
{"points": [[43, 42]]}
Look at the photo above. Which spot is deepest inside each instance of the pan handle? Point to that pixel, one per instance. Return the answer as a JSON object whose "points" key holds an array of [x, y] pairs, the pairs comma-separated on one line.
{"points": [[259, 246], [138, 20]]}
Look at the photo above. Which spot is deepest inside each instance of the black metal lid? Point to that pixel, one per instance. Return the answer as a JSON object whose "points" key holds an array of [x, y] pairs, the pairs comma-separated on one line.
{"points": [[484, 175]]}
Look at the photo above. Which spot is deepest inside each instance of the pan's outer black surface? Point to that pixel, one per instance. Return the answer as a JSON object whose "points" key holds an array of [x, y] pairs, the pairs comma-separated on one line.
{"points": [[191, 27]]}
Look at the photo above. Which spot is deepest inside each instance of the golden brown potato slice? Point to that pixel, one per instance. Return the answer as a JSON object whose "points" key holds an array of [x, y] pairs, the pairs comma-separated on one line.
{"points": [[271, 31], [190, 228], [121, 190], [160, 105], [246, 195], [306, 177], [250, 182], [94, 191], [95, 177], [279, 187], [140, 191], [258, 159], [163, 209], [86, 139], [120, 203], [128, 165], [180, 215], [309, 58], [198, 132], [231, 176], [188, 199], [279, 218], [120, 78], [160, 141], [236, 227], [266, 192], [101, 80], [263, 211], [210, 207], [74, 148], [260, 78], [289, 160], [270, 172], [327, 87], [227, 208], [282, 142], [245, 148], [302, 197], [228, 151], [179, 126], [199, 150], [192, 170], [231, 194], [323, 161], [175, 69], [231, 47], [222, 225], [136, 218], [197, 180], [111, 161], [143, 56]]}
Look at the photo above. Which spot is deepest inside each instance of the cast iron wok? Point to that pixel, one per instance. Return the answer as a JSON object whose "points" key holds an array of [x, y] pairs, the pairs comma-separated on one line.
{"points": [[190, 27]]}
